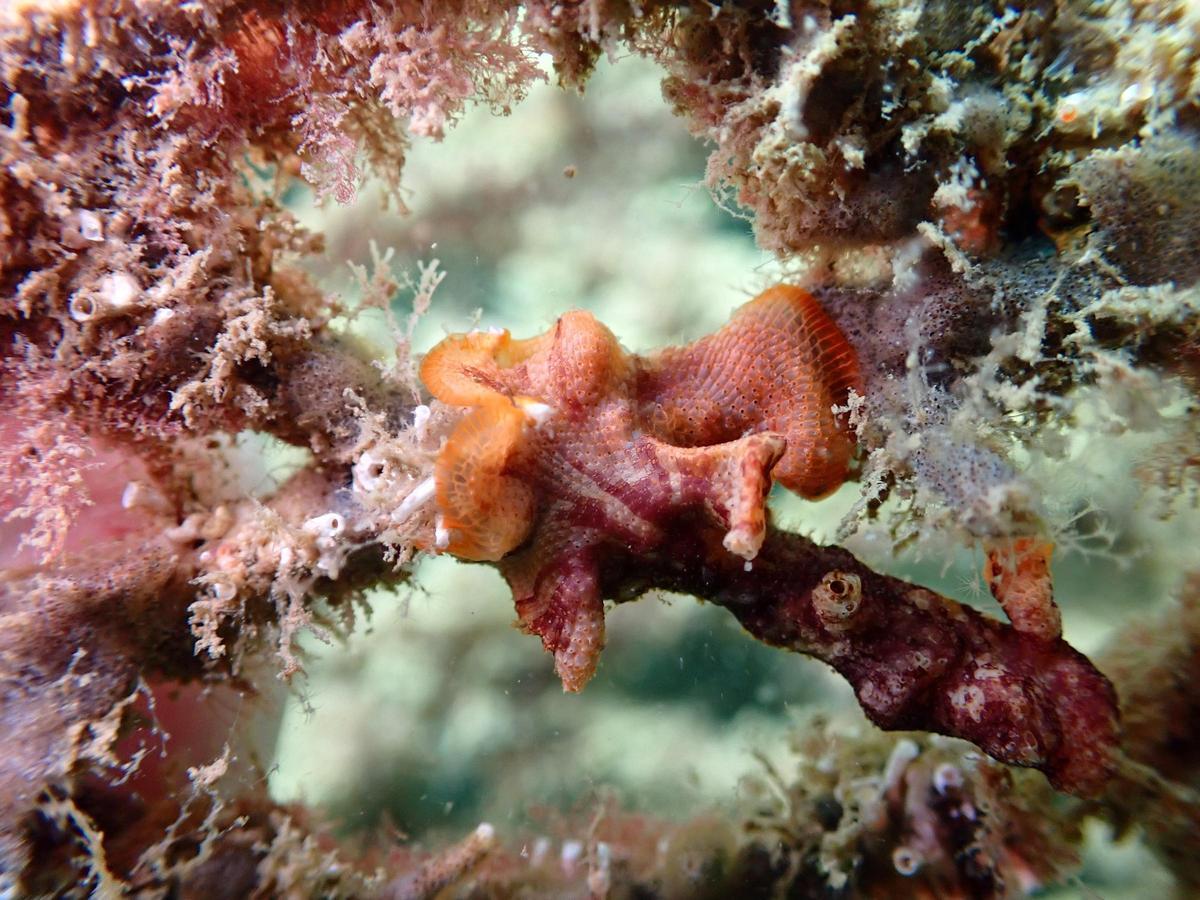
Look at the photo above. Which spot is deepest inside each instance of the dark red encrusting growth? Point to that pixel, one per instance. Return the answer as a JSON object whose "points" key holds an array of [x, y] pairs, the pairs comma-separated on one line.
{"points": [[917, 660], [277, 61]]}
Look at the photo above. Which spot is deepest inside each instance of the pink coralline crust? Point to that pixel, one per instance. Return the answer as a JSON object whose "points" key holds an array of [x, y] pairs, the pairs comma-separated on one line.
{"points": [[409, 60], [588, 437]]}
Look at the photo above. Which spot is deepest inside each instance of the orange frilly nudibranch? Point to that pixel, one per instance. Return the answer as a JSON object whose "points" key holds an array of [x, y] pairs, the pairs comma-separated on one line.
{"points": [[587, 473], [573, 447]]}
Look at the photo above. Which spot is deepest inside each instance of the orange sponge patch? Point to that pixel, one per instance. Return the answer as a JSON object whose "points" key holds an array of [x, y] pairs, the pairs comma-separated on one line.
{"points": [[1017, 572]]}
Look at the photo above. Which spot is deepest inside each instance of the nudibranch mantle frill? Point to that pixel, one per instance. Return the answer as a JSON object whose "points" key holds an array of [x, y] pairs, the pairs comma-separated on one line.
{"points": [[573, 445]]}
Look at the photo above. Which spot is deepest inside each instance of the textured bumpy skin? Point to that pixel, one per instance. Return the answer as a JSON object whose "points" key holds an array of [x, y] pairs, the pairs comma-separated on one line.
{"points": [[781, 364], [587, 473]]}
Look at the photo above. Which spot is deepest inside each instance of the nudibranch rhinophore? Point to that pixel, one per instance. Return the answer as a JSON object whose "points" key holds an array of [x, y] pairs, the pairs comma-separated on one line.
{"points": [[573, 445], [584, 472]]}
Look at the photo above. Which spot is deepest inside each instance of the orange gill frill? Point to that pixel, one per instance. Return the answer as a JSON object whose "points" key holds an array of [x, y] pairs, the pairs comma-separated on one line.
{"points": [[584, 472]]}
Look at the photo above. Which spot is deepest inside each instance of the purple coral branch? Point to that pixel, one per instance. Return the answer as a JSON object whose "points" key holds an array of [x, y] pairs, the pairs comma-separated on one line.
{"points": [[916, 660]]}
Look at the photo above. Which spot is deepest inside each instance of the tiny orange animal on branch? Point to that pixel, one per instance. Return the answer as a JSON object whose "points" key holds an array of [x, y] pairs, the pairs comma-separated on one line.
{"points": [[571, 443]]}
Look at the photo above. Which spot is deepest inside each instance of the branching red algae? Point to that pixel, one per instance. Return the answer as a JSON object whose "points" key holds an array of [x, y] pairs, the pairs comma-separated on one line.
{"points": [[579, 445]]}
